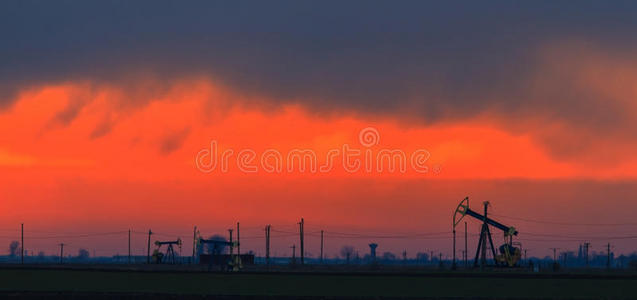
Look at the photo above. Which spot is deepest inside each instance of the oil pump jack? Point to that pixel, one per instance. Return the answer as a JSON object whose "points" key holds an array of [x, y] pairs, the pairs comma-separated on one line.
{"points": [[158, 257], [509, 254]]}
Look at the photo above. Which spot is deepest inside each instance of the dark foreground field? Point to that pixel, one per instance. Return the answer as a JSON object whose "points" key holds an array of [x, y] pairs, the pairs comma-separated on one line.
{"points": [[84, 283]]}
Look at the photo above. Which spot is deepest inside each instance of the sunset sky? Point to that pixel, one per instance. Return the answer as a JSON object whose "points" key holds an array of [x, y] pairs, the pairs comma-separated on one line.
{"points": [[105, 107]]}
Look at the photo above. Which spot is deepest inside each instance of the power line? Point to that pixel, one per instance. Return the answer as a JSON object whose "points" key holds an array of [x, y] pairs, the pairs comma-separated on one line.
{"points": [[78, 235], [387, 236], [565, 223], [378, 237], [282, 231], [580, 237], [10, 237]]}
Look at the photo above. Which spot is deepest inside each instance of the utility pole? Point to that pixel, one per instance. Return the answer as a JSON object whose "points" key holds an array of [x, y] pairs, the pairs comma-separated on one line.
{"points": [[463, 256], [293, 253], [608, 255], [22, 243], [301, 236], [321, 246], [194, 243], [128, 247], [61, 252], [453, 264], [238, 241], [231, 245], [554, 254], [431, 257], [586, 245], [148, 249], [525, 260], [267, 244], [465, 245]]}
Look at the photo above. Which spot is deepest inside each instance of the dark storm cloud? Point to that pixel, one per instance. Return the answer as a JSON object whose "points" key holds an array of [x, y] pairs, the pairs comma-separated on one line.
{"points": [[102, 129], [173, 141], [441, 61]]}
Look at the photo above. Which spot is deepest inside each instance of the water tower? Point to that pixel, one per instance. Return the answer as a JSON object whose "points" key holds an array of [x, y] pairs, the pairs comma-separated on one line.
{"points": [[372, 250]]}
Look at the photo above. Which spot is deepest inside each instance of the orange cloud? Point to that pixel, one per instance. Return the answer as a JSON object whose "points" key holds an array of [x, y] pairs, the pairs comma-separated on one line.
{"points": [[112, 164], [159, 140]]}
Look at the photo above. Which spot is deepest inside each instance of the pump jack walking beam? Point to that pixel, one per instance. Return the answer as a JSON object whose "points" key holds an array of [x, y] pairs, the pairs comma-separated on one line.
{"points": [[485, 234]]}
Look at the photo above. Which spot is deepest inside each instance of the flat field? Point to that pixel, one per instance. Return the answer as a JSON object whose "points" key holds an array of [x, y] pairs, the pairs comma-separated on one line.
{"points": [[114, 284]]}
